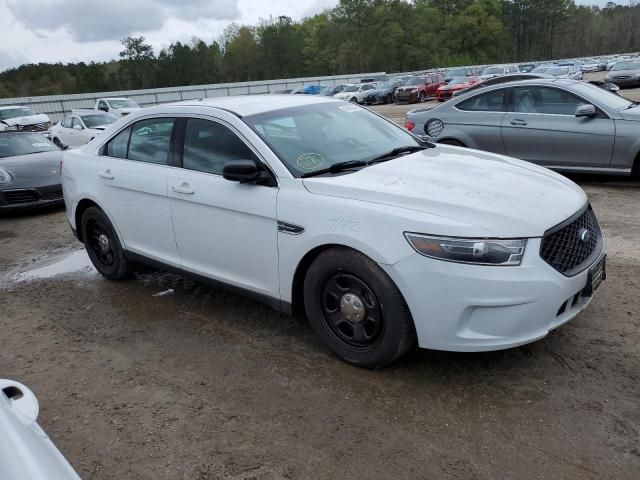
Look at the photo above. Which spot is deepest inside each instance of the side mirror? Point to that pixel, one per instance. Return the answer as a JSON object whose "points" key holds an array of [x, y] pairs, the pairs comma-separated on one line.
{"points": [[241, 171], [586, 111], [77, 127]]}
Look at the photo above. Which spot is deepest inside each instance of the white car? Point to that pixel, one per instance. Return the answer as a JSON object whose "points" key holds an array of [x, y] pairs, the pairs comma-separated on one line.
{"points": [[320, 206], [356, 93], [22, 119], [80, 128], [26, 452], [499, 70], [117, 106]]}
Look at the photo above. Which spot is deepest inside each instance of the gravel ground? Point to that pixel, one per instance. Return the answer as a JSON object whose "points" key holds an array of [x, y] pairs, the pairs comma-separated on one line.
{"points": [[160, 377]]}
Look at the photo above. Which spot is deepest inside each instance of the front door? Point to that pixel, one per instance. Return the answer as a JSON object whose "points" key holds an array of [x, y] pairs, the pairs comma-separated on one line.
{"points": [[224, 230], [542, 128]]}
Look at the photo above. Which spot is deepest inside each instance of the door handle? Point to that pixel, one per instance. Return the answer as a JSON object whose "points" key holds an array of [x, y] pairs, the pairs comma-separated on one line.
{"points": [[107, 175], [518, 122], [184, 188]]}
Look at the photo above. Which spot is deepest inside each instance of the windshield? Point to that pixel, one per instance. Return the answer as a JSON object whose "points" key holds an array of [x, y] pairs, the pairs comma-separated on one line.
{"points": [[327, 90], [603, 96], [352, 88], [16, 144], [123, 103], [15, 112], [558, 71], [458, 80], [385, 86], [313, 137], [96, 120], [626, 66], [415, 81], [492, 70]]}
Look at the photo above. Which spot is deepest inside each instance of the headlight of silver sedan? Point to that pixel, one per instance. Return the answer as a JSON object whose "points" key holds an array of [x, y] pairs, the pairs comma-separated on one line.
{"points": [[5, 177], [472, 250]]}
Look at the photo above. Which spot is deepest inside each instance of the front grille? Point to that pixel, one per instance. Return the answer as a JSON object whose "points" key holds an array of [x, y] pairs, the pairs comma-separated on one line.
{"points": [[20, 196], [34, 127], [571, 247], [53, 194]]}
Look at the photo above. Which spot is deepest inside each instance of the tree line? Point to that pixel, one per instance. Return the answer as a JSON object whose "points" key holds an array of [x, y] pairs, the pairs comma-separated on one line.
{"points": [[353, 37]]}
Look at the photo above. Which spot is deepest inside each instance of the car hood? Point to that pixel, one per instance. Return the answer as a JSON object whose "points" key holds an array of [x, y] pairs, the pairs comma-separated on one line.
{"points": [[382, 91], [125, 111], [458, 86], [344, 94], [632, 114], [27, 120], [495, 196], [35, 165]]}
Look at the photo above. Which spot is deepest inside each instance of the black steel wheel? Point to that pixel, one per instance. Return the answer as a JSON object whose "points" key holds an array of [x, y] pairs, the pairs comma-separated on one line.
{"points": [[103, 246], [352, 312], [356, 309]]}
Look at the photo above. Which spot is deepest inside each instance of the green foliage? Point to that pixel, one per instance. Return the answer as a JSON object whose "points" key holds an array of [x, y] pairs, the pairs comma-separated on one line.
{"points": [[355, 36]]}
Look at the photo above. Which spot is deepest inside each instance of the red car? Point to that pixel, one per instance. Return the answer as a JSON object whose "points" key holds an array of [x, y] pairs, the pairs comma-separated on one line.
{"points": [[418, 89], [456, 84]]}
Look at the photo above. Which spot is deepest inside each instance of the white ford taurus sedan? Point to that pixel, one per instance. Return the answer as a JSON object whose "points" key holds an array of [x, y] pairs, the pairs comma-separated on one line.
{"points": [[322, 207]]}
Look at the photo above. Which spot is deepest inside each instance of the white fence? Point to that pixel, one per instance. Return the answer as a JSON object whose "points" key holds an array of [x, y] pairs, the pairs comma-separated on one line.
{"points": [[58, 106]]}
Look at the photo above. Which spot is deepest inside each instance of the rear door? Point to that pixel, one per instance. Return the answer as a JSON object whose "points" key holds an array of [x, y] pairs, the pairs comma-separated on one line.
{"points": [[132, 176], [225, 230], [542, 128], [480, 117]]}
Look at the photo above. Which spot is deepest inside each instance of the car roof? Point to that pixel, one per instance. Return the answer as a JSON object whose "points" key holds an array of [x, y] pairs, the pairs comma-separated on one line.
{"points": [[6, 107], [245, 105]]}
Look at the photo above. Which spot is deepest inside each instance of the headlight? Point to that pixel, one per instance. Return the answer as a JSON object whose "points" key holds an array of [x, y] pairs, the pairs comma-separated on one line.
{"points": [[414, 90], [5, 177], [434, 128], [474, 251]]}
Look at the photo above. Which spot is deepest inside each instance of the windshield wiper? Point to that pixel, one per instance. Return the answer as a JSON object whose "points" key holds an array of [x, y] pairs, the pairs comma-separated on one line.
{"points": [[399, 151], [337, 167], [342, 166]]}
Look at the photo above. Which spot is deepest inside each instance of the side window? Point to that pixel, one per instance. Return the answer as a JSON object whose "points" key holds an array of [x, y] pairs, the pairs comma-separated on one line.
{"points": [[546, 100], [493, 101], [102, 105], [76, 121], [117, 147], [66, 123], [208, 145], [150, 140]]}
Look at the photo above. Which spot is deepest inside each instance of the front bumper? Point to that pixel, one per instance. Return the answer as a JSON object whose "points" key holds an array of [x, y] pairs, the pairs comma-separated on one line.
{"points": [[402, 97], [471, 308], [624, 82], [17, 199]]}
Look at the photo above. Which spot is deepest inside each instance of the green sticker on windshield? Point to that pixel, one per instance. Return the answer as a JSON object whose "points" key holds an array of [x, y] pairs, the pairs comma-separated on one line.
{"points": [[310, 161]]}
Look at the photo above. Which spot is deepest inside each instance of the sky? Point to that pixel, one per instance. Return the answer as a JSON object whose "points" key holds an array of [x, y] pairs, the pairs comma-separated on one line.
{"points": [[85, 30]]}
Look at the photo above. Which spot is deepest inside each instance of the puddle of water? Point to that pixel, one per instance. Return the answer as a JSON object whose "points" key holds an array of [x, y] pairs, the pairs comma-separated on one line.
{"points": [[70, 263]]}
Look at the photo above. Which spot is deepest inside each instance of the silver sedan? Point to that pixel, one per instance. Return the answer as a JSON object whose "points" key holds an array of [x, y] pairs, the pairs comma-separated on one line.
{"points": [[566, 125]]}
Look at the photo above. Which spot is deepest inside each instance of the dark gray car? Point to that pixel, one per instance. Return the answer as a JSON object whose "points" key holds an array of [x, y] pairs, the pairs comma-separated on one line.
{"points": [[566, 125], [625, 74], [29, 171]]}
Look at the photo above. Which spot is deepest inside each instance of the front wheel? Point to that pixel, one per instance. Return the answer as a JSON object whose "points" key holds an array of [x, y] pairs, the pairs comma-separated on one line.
{"points": [[353, 100], [103, 246], [356, 309], [422, 97]]}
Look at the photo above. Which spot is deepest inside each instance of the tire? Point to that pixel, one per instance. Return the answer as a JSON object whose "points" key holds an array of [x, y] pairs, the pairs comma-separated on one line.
{"points": [[422, 97], [450, 141], [342, 282], [103, 246], [353, 100], [389, 98]]}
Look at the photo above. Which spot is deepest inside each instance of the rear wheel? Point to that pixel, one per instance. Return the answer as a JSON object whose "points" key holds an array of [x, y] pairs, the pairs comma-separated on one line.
{"points": [[103, 246], [356, 309]]}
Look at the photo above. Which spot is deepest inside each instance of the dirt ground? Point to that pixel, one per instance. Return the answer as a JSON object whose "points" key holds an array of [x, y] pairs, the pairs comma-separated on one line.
{"points": [[160, 377]]}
